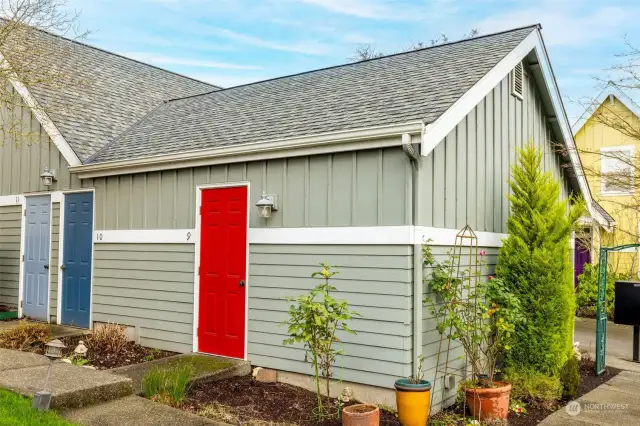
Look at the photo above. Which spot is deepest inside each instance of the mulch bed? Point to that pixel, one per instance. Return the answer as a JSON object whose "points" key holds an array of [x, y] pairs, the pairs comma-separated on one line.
{"points": [[269, 402], [131, 354], [588, 382]]}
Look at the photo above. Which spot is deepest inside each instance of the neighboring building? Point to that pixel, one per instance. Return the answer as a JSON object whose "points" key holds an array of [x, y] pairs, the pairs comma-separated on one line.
{"points": [[609, 158], [152, 221]]}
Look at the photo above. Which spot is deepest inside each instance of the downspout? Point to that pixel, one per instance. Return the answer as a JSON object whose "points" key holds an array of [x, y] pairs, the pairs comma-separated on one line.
{"points": [[416, 162]]}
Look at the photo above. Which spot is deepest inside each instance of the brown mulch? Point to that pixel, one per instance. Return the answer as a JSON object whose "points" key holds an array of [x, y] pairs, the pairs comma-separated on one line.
{"points": [[131, 354], [270, 402], [588, 382]]}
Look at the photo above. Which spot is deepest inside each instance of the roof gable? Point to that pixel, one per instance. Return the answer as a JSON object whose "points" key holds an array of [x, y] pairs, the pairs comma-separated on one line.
{"points": [[611, 89]]}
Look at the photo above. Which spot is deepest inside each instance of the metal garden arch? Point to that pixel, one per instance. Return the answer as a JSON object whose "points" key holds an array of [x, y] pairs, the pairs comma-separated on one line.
{"points": [[601, 308]]}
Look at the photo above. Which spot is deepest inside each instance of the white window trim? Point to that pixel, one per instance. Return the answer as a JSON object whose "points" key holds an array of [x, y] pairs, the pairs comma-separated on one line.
{"points": [[603, 191]]}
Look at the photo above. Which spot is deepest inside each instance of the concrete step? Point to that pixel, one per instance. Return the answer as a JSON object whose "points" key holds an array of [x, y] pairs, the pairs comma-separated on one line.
{"points": [[70, 385], [134, 411]]}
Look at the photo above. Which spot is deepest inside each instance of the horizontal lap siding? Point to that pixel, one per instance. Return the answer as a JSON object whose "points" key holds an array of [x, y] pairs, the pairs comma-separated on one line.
{"points": [[55, 239], [375, 280], [361, 188], [148, 286], [10, 223], [431, 340]]}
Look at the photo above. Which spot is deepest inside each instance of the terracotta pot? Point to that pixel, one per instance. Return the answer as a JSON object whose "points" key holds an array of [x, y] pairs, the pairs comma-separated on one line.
{"points": [[361, 415], [489, 403], [413, 401]]}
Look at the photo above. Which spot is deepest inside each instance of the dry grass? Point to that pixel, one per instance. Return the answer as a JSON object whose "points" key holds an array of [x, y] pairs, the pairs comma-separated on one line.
{"points": [[108, 338], [26, 336]]}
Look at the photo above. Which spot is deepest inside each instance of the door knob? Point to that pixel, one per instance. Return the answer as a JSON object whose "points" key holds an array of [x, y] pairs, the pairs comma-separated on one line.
{"points": [[46, 266], [63, 267], [241, 283]]}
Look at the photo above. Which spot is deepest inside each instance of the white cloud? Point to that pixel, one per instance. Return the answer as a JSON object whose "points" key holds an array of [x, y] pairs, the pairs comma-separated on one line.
{"points": [[373, 9], [309, 47], [562, 25], [154, 58]]}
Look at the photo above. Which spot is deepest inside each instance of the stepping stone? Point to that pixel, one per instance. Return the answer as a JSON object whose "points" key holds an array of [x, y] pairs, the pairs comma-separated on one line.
{"points": [[70, 385], [11, 360]]}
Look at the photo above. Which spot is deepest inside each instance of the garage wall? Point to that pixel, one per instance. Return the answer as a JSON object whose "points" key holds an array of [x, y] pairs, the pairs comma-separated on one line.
{"points": [[149, 287], [10, 223], [375, 280]]}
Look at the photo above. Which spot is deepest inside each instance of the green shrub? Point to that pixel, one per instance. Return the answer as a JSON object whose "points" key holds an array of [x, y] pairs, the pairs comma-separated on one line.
{"points": [[168, 385], [535, 264], [570, 377], [587, 291], [534, 388]]}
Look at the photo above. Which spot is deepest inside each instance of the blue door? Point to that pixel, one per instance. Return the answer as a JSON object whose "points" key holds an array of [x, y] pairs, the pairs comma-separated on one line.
{"points": [[37, 241], [76, 259]]}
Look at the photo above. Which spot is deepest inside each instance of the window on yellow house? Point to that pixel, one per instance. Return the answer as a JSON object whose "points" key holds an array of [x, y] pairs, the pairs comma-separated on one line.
{"points": [[617, 169]]}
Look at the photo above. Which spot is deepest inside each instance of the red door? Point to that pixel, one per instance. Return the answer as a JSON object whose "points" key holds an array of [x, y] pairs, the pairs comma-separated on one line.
{"points": [[223, 271]]}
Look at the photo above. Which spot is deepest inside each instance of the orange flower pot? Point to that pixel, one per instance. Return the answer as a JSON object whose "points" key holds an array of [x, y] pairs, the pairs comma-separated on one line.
{"points": [[489, 403], [413, 401], [361, 415]]}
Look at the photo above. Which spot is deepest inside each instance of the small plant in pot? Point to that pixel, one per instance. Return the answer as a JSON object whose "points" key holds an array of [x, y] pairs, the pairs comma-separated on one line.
{"points": [[413, 398], [481, 315]]}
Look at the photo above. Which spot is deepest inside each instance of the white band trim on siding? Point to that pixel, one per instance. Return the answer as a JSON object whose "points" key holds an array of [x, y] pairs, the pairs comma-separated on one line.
{"points": [[145, 236], [365, 235], [11, 200]]}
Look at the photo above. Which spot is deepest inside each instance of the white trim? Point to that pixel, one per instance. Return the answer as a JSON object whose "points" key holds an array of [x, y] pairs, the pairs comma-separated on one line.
{"points": [[345, 140], [609, 90], [50, 253], [368, 235], [11, 200], [144, 236], [22, 244], [196, 274], [60, 262], [439, 129], [47, 124]]}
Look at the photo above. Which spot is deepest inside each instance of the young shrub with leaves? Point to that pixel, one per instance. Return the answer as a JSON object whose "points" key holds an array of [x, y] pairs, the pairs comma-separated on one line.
{"points": [[535, 264], [587, 291], [314, 320]]}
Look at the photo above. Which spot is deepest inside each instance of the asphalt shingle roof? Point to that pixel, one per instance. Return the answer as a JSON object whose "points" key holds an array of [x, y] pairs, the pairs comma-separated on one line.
{"points": [[112, 92], [396, 89], [603, 212]]}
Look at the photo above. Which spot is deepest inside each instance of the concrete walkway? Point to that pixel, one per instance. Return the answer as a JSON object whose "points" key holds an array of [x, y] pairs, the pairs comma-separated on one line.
{"points": [[614, 403], [619, 342]]}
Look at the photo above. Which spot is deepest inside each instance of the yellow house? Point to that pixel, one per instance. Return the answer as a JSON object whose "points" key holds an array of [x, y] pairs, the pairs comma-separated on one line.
{"points": [[607, 141]]}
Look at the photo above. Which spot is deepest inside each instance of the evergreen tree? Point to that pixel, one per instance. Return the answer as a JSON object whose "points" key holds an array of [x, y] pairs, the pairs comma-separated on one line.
{"points": [[535, 263]]}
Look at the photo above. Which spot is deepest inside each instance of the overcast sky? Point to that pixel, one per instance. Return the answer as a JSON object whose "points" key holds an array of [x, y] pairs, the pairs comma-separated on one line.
{"points": [[231, 42]]}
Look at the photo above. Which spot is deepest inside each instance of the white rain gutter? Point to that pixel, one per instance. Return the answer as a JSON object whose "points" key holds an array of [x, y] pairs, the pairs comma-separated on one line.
{"points": [[346, 140]]}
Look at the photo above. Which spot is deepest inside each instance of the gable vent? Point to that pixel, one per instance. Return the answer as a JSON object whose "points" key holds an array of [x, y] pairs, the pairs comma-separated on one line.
{"points": [[517, 81]]}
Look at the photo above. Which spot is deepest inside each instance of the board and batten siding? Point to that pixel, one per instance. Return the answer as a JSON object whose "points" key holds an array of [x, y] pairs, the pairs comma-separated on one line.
{"points": [[53, 262], [25, 151], [360, 188], [148, 287], [464, 180], [433, 344], [10, 225], [376, 281]]}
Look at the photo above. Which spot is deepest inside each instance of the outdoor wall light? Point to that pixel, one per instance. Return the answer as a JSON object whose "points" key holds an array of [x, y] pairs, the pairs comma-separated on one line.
{"points": [[266, 205], [48, 177]]}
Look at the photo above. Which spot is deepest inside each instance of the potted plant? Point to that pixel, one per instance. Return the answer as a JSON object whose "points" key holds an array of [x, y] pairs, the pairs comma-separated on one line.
{"points": [[413, 398], [480, 314]]}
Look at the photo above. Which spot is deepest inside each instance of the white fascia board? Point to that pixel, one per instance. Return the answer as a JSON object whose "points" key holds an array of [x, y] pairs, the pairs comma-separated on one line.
{"points": [[43, 118], [610, 89], [348, 140], [436, 132]]}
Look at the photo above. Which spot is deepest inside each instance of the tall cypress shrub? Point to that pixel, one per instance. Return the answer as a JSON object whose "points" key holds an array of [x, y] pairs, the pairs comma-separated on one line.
{"points": [[535, 263]]}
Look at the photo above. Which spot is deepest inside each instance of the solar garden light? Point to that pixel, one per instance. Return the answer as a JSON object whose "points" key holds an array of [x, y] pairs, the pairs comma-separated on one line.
{"points": [[266, 205], [42, 399]]}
